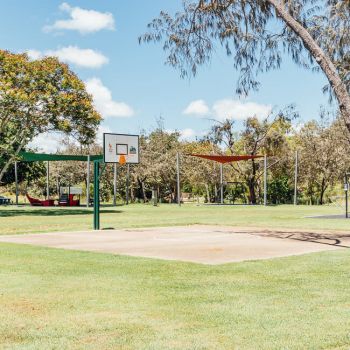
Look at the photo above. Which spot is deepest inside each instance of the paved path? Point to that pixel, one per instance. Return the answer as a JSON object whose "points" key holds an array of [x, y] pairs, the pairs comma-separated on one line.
{"points": [[197, 243]]}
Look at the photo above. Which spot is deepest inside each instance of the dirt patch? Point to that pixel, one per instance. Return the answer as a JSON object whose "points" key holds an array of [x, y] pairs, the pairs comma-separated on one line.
{"points": [[197, 243]]}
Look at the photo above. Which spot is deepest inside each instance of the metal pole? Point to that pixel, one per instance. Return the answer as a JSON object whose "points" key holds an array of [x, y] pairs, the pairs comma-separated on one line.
{"points": [[16, 180], [221, 184], [346, 187], [47, 180], [88, 182], [265, 180], [178, 178], [296, 179], [96, 195], [115, 185], [127, 183]]}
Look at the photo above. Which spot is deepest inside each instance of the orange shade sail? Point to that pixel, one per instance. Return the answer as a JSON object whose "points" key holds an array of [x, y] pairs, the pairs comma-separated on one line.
{"points": [[225, 159]]}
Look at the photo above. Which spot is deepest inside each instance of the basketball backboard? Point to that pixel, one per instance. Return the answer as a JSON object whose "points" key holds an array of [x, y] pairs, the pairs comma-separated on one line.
{"points": [[121, 148]]}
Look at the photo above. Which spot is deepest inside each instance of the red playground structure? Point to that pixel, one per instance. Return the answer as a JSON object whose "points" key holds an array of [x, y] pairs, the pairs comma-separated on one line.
{"points": [[69, 197], [39, 202]]}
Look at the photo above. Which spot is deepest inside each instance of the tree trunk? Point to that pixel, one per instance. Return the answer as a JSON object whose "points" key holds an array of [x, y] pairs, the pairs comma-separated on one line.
{"points": [[323, 190], [252, 194], [321, 58], [12, 158], [143, 192], [208, 193]]}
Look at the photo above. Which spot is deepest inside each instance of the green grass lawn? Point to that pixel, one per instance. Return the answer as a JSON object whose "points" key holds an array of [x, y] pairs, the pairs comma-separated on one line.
{"points": [[33, 219], [56, 299]]}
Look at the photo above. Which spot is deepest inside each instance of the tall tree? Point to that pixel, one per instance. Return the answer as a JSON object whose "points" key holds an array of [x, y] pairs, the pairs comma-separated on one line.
{"points": [[324, 156], [256, 33], [37, 97], [257, 137]]}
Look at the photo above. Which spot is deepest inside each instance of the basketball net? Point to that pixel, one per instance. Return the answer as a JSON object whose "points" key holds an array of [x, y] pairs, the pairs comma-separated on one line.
{"points": [[122, 159]]}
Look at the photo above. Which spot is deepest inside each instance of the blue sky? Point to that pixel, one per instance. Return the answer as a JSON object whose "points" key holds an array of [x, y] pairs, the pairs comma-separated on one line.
{"points": [[131, 85]]}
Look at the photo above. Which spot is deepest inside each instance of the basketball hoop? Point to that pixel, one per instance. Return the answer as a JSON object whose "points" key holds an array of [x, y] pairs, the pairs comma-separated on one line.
{"points": [[120, 148], [122, 159]]}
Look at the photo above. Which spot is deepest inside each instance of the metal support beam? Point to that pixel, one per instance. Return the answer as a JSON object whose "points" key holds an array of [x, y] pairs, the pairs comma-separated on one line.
{"points": [[221, 184], [96, 195], [16, 181], [296, 179], [127, 183], [47, 180], [178, 178], [88, 182], [265, 180], [346, 189], [115, 185]]}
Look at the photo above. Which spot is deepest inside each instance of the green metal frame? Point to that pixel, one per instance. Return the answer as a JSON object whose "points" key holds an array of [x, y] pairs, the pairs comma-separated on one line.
{"points": [[97, 175]]}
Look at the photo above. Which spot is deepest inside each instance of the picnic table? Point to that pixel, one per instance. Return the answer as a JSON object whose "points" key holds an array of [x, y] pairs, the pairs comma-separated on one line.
{"points": [[4, 200]]}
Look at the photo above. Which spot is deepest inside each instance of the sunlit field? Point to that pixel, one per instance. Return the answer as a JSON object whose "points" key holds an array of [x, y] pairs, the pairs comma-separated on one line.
{"points": [[58, 299], [27, 219]]}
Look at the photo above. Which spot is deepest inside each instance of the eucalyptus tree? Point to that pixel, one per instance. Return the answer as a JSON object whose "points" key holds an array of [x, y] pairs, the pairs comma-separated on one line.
{"points": [[257, 137], [315, 33], [324, 156]]}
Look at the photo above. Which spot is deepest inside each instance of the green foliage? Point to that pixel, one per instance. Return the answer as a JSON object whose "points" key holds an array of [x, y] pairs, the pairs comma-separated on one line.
{"points": [[254, 34], [279, 190], [41, 96]]}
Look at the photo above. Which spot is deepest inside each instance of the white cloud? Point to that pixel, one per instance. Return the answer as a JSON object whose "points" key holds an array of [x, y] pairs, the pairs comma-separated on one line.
{"points": [[228, 108], [238, 110], [47, 142], [104, 102], [101, 130], [86, 58], [187, 134], [34, 54], [82, 20], [198, 108]]}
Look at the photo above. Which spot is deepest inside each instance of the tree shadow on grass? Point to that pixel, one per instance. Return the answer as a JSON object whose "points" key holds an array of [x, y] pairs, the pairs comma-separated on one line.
{"points": [[334, 239], [52, 212]]}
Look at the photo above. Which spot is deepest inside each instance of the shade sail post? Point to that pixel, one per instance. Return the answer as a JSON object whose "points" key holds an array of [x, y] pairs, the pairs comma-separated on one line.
{"points": [[178, 178], [296, 179], [16, 181], [47, 180], [221, 184], [265, 180], [88, 182]]}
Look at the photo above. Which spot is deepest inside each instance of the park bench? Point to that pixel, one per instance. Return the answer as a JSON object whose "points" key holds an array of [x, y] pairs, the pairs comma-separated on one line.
{"points": [[4, 200]]}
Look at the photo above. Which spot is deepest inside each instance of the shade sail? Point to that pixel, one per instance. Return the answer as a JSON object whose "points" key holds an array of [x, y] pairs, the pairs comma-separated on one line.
{"points": [[225, 159], [40, 157]]}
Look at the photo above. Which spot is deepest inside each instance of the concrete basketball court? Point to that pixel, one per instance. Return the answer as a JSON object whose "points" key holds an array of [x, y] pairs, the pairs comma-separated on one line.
{"points": [[197, 243]]}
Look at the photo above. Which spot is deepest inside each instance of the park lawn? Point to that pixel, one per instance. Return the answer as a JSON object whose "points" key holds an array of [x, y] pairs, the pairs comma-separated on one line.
{"points": [[27, 219], [57, 299]]}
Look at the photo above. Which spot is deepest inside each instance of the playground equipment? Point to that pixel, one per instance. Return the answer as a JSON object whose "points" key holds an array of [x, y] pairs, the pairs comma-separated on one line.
{"points": [[35, 157], [67, 196], [39, 202]]}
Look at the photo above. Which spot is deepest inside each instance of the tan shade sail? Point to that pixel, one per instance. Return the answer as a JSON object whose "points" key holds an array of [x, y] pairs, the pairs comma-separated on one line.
{"points": [[225, 159]]}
